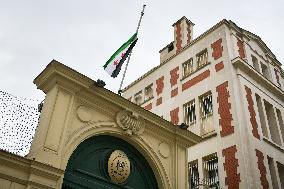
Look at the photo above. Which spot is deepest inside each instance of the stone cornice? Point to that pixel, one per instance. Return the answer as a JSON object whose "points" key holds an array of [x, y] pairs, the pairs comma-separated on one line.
{"points": [[55, 72], [258, 77], [25, 168]]}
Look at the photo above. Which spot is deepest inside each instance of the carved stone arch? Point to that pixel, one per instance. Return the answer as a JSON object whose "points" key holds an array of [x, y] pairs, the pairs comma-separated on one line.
{"points": [[111, 129]]}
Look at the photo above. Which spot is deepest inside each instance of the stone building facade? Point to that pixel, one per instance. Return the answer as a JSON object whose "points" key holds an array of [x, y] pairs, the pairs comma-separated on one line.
{"points": [[227, 86], [90, 137]]}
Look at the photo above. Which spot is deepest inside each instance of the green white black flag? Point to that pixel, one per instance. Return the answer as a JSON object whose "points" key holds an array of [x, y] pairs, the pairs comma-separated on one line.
{"points": [[113, 65]]}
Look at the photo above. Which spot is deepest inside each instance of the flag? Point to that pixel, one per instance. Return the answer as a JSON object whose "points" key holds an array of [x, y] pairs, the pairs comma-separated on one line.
{"points": [[114, 64]]}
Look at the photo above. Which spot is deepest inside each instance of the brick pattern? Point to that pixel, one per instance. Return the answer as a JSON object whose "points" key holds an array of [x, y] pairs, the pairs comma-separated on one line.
{"points": [[148, 107], [195, 80], [159, 101], [217, 49], [231, 164], [262, 169], [277, 76], [219, 66], [174, 76], [224, 109], [174, 116], [174, 92], [160, 85], [241, 50], [188, 34], [252, 113], [178, 37]]}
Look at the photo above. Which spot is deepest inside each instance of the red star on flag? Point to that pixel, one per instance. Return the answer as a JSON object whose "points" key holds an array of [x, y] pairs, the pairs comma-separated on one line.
{"points": [[122, 55], [115, 62]]}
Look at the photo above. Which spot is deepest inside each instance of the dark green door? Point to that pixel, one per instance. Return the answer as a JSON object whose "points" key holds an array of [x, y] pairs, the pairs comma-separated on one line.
{"points": [[88, 166]]}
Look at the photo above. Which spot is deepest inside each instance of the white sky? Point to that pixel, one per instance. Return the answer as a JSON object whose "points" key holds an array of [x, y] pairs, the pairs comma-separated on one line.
{"points": [[84, 34]]}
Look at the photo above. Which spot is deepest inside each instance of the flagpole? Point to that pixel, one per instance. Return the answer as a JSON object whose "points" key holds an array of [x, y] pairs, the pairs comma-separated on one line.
{"points": [[128, 59]]}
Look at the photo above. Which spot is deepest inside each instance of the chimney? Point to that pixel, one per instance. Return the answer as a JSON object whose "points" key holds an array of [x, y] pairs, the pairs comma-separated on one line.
{"points": [[182, 33]]}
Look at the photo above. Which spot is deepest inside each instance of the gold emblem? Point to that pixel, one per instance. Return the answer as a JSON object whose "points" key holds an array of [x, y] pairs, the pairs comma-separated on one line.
{"points": [[118, 166]]}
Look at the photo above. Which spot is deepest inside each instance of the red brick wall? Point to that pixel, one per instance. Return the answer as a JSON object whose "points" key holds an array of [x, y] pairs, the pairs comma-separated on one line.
{"points": [[174, 76], [195, 80], [159, 101], [188, 34], [252, 113], [219, 66], [174, 92], [224, 109], [148, 107], [231, 167], [178, 37], [241, 48], [160, 85], [174, 116], [261, 168], [217, 49]]}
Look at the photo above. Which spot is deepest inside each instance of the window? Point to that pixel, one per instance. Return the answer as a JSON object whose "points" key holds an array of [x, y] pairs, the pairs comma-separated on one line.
{"points": [[138, 98], [261, 115], [206, 106], [272, 171], [149, 92], [271, 119], [255, 63], [187, 67], [265, 71], [189, 112], [210, 167], [193, 174], [202, 58]]}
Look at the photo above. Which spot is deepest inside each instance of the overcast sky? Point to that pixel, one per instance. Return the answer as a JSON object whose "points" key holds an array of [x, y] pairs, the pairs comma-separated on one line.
{"points": [[84, 34]]}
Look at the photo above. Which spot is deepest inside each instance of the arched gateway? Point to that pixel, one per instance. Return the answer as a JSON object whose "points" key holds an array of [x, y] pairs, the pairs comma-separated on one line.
{"points": [[108, 162], [94, 138]]}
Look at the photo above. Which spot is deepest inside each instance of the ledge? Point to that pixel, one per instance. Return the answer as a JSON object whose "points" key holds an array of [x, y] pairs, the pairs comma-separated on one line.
{"points": [[145, 101], [209, 135], [268, 141], [258, 77]]}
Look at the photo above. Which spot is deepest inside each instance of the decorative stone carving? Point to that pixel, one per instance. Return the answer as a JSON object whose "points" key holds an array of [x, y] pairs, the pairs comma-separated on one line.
{"points": [[84, 113], [130, 122], [164, 150]]}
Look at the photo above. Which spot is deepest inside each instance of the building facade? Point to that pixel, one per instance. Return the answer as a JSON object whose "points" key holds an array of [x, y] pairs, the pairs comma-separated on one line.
{"points": [[90, 137], [227, 86]]}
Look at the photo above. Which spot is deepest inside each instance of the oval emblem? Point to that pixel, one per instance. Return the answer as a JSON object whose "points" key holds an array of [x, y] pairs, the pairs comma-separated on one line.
{"points": [[118, 166]]}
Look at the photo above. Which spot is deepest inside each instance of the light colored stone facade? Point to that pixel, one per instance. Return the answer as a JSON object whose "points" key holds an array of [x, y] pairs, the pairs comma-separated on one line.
{"points": [[75, 109], [234, 85]]}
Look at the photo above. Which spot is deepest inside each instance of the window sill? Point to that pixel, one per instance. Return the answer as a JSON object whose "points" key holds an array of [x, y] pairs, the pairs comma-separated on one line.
{"points": [[194, 71], [209, 135], [146, 100], [273, 144]]}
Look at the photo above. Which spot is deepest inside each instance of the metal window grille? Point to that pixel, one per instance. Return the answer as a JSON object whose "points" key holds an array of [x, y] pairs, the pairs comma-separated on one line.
{"points": [[193, 174], [206, 105], [189, 112], [202, 58], [211, 176], [149, 92], [138, 98], [187, 67]]}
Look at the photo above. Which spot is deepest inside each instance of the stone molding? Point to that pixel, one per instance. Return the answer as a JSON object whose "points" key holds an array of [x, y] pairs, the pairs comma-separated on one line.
{"points": [[130, 122]]}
